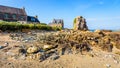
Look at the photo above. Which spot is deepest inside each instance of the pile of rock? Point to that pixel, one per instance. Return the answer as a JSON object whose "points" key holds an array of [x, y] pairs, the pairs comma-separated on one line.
{"points": [[73, 38], [54, 44]]}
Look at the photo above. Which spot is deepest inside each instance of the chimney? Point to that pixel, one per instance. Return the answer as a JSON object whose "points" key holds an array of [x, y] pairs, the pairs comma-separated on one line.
{"points": [[36, 16], [23, 8]]}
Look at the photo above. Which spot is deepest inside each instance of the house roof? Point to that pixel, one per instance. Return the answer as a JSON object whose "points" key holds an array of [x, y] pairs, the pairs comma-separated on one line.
{"points": [[32, 19], [57, 21], [12, 10]]}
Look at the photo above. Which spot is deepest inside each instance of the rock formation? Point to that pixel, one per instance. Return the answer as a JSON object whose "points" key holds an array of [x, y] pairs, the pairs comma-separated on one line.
{"points": [[80, 23]]}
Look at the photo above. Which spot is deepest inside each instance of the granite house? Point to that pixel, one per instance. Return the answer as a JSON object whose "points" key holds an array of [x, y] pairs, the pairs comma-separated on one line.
{"points": [[57, 23], [16, 14]]}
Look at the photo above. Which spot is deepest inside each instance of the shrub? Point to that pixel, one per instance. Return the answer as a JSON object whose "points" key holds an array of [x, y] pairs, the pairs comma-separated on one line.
{"points": [[56, 28], [43, 24], [13, 26], [44, 27]]}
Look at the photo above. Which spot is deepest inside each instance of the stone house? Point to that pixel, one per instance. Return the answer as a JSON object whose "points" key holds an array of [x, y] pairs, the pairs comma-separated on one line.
{"points": [[57, 23], [15, 14]]}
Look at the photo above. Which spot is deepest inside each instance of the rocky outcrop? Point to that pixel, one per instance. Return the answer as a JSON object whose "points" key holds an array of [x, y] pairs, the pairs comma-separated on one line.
{"points": [[51, 45], [80, 23]]}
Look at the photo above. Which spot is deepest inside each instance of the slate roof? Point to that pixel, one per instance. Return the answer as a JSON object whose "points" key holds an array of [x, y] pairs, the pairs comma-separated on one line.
{"points": [[12, 10], [57, 21], [32, 19]]}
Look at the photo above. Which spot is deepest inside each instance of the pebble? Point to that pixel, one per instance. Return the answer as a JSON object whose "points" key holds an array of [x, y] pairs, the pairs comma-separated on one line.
{"points": [[22, 57], [10, 53], [108, 65], [1, 47], [26, 40], [117, 62], [32, 49], [6, 43], [108, 56], [54, 57]]}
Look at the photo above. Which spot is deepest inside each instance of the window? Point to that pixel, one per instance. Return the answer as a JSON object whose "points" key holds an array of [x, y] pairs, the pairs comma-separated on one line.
{"points": [[33, 19], [21, 18], [14, 16], [1, 16], [5, 15]]}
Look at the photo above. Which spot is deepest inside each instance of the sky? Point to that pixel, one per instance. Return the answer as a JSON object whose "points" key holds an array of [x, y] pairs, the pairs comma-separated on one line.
{"points": [[99, 14]]}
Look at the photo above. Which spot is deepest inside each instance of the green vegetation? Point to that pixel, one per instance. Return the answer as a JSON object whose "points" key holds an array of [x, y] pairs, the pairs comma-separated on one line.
{"points": [[74, 23], [56, 28], [14, 26], [43, 23]]}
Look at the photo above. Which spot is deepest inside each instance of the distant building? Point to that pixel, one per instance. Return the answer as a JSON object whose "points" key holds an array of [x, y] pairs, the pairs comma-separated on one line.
{"points": [[57, 23], [15, 14]]}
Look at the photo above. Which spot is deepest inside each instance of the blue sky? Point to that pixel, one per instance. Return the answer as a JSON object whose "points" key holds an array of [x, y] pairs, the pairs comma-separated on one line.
{"points": [[99, 14]]}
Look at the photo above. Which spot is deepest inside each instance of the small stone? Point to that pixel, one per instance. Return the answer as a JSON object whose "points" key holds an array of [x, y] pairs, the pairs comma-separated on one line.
{"points": [[106, 56], [10, 53], [54, 57], [91, 55], [0, 31], [46, 47], [6, 44], [111, 56], [26, 40], [1, 47], [22, 57], [108, 65], [32, 49], [29, 33], [117, 62], [8, 63]]}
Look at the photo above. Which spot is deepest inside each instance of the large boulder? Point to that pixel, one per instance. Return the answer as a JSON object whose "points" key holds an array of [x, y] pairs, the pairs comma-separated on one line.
{"points": [[80, 23]]}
